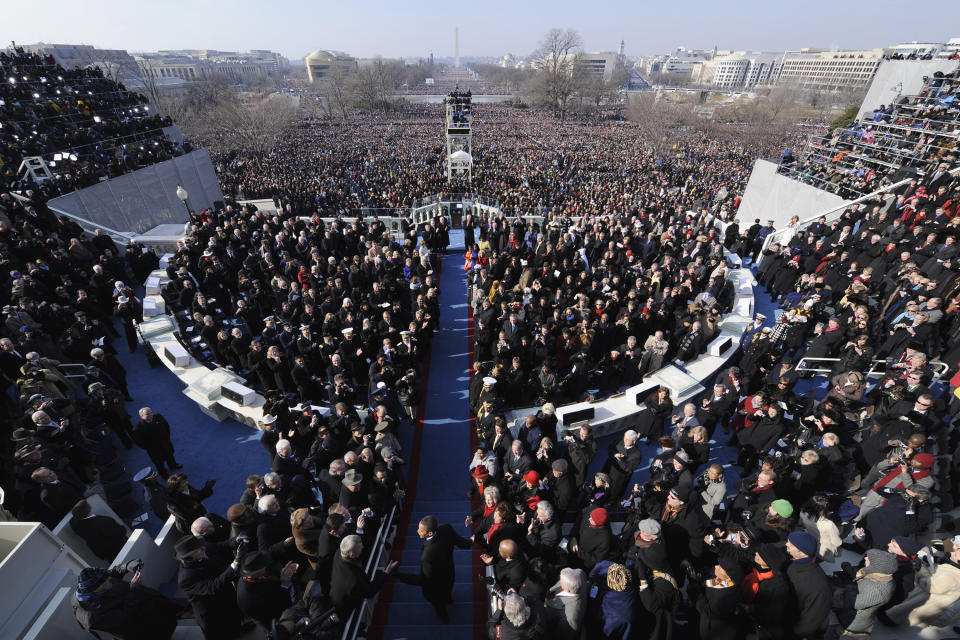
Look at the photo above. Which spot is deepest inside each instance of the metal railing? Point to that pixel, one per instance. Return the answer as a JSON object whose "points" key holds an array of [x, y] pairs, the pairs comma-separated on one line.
{"points": [[363, 613], [783, 236], [878, 368]]}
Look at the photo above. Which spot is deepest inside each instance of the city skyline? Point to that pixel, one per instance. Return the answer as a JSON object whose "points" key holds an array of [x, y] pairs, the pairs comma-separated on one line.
{"points": [[418, 28]]}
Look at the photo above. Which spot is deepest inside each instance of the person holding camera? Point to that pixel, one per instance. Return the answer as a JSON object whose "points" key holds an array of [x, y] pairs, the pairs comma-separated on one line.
{"points": [[710, 490], [103, 601], [908, 473], [206, 575], [514, 619]]}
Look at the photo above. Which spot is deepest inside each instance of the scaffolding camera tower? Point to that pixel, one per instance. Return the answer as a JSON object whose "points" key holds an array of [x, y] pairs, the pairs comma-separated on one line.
{"points": [[459, 125]]}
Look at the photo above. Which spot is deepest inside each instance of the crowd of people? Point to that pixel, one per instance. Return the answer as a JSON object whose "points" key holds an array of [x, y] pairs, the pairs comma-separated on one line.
{"points": [[297, 537], [578, 310], [624, 272], [776, 506], [889, 144], [86, 127], [521, 158]]}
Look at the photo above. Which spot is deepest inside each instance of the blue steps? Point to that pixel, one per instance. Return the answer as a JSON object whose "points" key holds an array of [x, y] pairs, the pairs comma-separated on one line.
{"points": [[442, 479]]}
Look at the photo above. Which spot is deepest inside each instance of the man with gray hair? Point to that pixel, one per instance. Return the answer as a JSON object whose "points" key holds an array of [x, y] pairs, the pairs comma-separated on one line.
{"points": [[274, 525], [624, 459], [566, 605], [349, 584], [544, 533], [201, 527], [331, 480], [515, 618], [685, 420]]}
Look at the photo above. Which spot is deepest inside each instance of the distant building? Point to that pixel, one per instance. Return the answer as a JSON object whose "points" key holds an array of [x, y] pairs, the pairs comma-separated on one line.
{"points": [[830, 70], [684, 62], [321, 63], [192, 65], [598, 63], [116, 63], [745, 69]]}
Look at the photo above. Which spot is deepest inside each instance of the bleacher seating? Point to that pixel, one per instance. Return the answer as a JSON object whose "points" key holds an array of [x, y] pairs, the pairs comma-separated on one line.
{"points": [[892, 143], [84, 126]]}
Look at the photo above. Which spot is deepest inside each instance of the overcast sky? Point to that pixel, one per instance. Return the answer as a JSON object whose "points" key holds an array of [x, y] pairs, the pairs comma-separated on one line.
{"points": [[414, 28]]}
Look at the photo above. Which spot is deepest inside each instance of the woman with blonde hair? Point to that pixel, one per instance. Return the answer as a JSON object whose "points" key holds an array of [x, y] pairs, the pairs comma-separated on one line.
{"points": [[618, 604], [696, 443]]}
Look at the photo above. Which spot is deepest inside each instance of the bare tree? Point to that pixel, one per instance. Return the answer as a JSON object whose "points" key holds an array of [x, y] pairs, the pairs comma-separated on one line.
{"points": [[374, 84], [558, 54], [333, 88], [256, 126], [659, 122]]}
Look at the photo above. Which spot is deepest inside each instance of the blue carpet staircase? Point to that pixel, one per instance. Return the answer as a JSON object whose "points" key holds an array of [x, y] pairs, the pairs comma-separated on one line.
{"points": [[441, 487]]}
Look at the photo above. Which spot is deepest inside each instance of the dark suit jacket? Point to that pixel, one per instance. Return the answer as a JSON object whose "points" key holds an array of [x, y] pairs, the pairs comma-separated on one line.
{"points": [[209, 586], [510, 575], [563, 493], [10, 364], [437, 572], [104, 535], [153, 436], [61, 497], [349, 585]]}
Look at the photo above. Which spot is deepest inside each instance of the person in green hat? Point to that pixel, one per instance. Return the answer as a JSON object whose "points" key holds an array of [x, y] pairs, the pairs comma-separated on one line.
{"points": [[776, 524]]}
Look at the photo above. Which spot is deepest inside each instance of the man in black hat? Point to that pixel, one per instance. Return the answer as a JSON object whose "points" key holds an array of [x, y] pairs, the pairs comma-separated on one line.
{"points": [[206, 576], [264, 589]]}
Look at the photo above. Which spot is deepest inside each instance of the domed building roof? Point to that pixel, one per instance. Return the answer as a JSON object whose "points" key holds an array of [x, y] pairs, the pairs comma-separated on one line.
{"points": [[320, 54]]}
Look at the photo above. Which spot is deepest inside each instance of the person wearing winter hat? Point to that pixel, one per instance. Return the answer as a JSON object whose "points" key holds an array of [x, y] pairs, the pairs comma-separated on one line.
{"points": [[907, 475], [594, 541], [532, 478], [719, 598], [104, 602], [782, 508], [529, 494], [812, 590], [904, 549], [766, 590], [872, 589], [775, 525]]}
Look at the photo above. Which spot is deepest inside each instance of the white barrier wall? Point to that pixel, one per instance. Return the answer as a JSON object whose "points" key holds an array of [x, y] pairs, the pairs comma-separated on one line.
{"points": [[34, 566], [139, 201], [770, 196]]}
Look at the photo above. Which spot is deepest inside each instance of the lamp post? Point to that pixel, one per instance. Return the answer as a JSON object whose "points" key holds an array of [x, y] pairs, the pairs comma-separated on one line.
{"points": [[183, 195]]}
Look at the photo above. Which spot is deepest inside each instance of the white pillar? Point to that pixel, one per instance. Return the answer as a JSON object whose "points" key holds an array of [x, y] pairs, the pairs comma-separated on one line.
{"points": [[456, 46]]}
